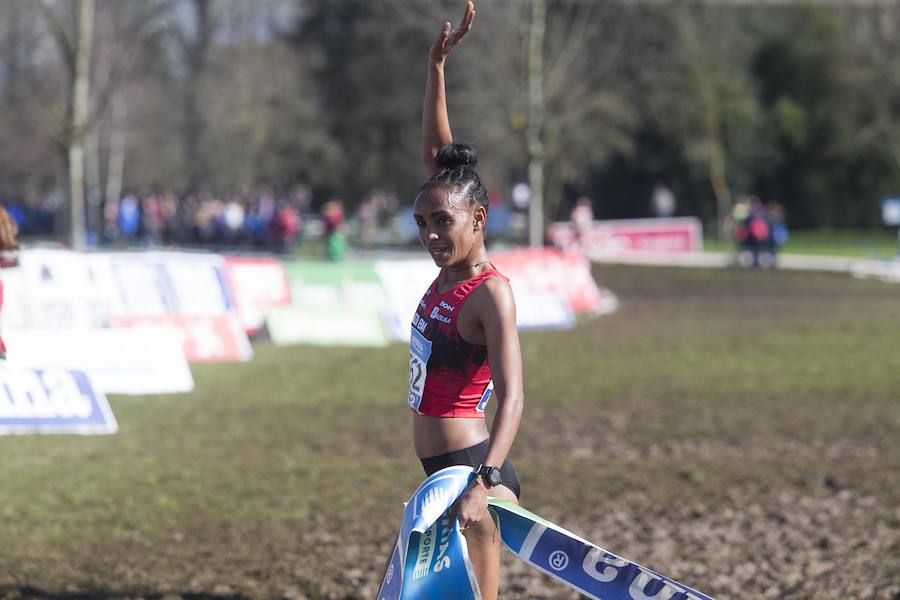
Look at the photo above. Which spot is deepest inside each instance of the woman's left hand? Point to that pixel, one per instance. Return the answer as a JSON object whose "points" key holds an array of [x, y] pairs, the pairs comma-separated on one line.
{"points": [[472, 505]]}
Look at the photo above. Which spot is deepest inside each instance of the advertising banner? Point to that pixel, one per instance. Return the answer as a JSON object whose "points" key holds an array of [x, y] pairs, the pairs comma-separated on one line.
{"points": [[543, 311], [535, 272], [543, 298], [430, 557], [334, 326], [256, 283], [213, 338], [68, 290], [329, 284], [142, 285], [198, 283], [404, 283], [628, 236], [119, 361], [52, 401], [169, 283]]}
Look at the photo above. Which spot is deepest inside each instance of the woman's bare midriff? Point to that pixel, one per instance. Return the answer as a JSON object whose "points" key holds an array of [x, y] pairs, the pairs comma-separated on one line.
{"points": [[438, 435]]}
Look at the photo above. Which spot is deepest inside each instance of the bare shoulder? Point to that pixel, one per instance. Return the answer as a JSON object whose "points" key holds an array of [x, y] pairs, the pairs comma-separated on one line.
{"points": [[495, 295]]}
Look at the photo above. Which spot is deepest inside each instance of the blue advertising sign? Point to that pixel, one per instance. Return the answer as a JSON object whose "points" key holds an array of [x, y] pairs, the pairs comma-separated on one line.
{"points": [[52, 401], [432, 552]]}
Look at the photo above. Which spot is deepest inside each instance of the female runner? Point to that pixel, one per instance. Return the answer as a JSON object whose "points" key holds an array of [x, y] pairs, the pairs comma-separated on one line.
{"points": [[464, 337]]}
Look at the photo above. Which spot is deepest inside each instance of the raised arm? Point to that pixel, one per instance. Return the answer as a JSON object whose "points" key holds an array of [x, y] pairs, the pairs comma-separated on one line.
{"points": [[435, 121]]}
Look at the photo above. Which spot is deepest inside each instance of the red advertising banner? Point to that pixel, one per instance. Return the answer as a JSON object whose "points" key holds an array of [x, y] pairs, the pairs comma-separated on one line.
{"points": [[205, 338], [256, 284], [552, 271], [631, 236]]}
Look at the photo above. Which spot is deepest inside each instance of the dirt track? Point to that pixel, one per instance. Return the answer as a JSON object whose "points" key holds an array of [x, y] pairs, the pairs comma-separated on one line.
{"points": [[736, 431]]}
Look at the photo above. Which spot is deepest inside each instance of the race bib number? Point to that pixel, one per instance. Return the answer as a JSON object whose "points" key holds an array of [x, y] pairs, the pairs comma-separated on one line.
{"points": [[419, 351], [482, 404]]}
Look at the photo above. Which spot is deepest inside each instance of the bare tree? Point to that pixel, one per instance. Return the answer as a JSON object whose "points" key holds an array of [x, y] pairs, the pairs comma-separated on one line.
{"points": [[92, 84], [716, 99], [195, 45], [876, 28], [534, 134], [84, 37], [550, 102]]}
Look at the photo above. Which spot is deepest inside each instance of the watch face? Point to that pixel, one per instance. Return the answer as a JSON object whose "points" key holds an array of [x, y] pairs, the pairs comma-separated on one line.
{"points": [[494, 476], [490, 475]]}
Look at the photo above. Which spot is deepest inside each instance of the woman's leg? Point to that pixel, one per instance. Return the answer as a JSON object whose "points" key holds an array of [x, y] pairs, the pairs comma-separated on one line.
{"points": [[483, 542]]}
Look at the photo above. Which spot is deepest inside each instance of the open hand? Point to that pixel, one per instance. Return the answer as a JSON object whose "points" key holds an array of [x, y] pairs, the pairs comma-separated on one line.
{"points": [[449, 39]]}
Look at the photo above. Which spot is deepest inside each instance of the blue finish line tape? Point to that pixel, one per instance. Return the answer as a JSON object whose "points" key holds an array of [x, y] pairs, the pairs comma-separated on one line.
{"points": [[430, 558]]}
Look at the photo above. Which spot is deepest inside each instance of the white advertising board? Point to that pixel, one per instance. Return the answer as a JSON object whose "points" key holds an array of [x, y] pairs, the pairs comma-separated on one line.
{"points": [[197, 281], [404, 282], [68, 289], [119, 361]]}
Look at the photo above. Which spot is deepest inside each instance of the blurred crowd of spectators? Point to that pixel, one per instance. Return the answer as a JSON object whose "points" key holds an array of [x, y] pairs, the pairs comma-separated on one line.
{"points": [[33, 214], [263, 218]]}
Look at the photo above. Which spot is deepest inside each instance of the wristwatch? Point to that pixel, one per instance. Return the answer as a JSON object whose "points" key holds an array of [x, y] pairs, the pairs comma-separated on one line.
{"points": [[489, 475]]}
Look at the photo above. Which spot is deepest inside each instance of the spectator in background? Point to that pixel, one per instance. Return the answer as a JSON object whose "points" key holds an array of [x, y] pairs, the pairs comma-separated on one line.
{"points": [[129, 217], [663, 202], [286, 226], [582, 217], [754, 232], [233, 219], [8, 247], [368, 218], [333, 219], [759, 233], [111, 220], [151, 220], [169, 210], [739, 215], [779, 236]]}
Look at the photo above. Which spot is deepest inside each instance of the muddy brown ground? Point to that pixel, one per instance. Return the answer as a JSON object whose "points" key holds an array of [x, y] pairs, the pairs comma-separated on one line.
{"points": [[737, 431]]}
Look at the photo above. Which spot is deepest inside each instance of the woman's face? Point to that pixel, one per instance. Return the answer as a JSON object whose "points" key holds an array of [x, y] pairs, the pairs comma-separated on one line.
{"points": [[450, 228]]}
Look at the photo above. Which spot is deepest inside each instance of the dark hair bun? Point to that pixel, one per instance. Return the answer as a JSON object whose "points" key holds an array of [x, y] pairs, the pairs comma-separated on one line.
{"points": [[456, 155]]}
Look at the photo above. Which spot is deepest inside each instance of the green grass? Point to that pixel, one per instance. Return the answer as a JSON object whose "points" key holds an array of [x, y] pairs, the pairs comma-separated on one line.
{"points": [[878, 243], [284, 477]]}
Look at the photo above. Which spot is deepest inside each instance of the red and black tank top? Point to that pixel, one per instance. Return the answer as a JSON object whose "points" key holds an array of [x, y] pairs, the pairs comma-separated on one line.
{"points": [[448, 376]]}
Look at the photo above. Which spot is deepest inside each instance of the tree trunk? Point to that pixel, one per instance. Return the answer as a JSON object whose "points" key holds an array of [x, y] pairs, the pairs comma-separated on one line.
{"points": [[116, 166], [80, 100], [717, 177], [11, 54], [194, 125], [92, 183], [534, 133]]}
